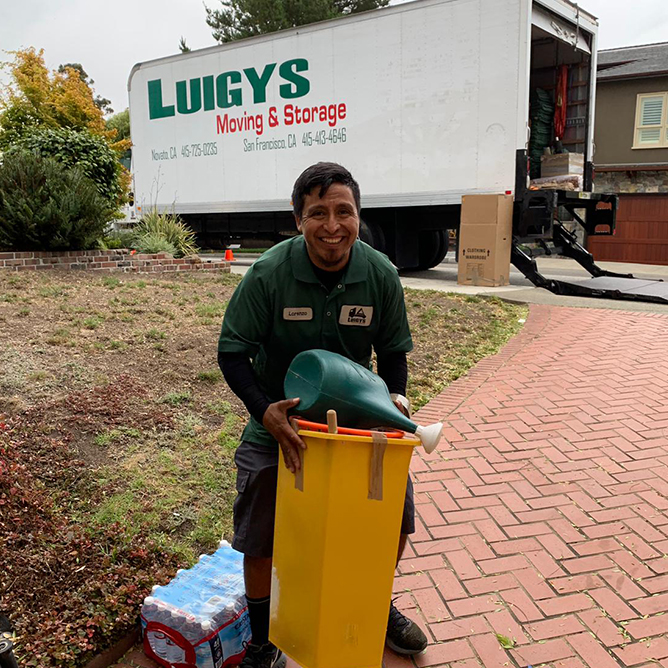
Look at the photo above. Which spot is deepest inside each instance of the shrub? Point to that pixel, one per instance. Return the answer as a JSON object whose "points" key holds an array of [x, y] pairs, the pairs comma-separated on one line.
{"points": [[118, 239], [46, 206], [81, 148], [152, 242], [170, 228]]}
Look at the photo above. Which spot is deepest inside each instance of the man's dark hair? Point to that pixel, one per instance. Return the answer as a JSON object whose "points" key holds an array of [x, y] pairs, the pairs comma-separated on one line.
{"points": [[322, 174]]}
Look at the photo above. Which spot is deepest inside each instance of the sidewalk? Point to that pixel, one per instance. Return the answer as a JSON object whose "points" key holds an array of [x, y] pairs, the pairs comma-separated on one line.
{"points": [[544, 518]]}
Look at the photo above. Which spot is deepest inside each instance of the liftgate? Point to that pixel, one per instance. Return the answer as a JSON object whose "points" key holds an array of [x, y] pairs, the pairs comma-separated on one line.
{"points": [[539, 229]]}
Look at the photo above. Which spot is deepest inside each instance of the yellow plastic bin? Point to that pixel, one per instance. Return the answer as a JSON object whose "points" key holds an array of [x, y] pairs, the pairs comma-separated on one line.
{"points": [[335, 548]]}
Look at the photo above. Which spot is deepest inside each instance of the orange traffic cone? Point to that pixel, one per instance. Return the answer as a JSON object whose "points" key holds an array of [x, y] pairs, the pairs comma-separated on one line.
{"points": [[229, 256]]}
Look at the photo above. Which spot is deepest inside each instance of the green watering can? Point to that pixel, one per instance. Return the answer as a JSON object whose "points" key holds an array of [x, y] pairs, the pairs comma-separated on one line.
{"points": [[324, 380]]}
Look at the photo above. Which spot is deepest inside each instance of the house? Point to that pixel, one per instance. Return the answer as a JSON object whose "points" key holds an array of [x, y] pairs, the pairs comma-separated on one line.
{"points": [[631, 155]]}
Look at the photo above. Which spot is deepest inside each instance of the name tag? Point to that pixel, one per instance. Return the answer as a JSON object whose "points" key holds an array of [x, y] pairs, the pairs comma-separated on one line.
{"points": [[355, 315], [298, 313]]}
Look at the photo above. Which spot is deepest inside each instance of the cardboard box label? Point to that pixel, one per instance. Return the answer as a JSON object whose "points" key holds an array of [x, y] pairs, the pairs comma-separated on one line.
{"points": [[476, 253]]}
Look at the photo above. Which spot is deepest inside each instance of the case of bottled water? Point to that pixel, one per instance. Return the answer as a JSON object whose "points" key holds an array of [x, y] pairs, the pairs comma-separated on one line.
{"points": [[200, 619]]}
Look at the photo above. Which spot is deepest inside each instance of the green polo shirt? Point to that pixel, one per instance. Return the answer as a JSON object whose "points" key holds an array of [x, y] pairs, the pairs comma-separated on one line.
{"points": [[281, 309]]}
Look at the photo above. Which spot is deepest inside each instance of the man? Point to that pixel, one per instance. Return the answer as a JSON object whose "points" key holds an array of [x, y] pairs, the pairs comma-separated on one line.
{"points": [[297, 297]]}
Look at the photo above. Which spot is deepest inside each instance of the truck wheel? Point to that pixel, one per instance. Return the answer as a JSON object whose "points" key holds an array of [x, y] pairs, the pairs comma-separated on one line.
{"points": [[445, 247], [372, 234], [365, 233], [433, 248]]}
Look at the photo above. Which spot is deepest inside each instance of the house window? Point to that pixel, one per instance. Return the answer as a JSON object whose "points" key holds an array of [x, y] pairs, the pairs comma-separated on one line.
{"points": [[651, 129]]}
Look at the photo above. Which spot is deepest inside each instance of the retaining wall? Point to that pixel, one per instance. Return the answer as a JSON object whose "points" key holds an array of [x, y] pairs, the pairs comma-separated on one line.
{"points": [[106, 261]]}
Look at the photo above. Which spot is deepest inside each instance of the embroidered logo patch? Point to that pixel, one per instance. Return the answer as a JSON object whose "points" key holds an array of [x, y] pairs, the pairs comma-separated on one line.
{"points": [[298, 313], [360, 316]]}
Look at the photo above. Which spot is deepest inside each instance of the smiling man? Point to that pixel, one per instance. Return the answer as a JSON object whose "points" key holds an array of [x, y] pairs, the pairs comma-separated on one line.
{"points": [[321, 289], [330, 225]]}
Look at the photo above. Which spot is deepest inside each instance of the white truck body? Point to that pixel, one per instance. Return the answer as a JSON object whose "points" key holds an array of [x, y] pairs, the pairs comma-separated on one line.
{"points": [[423, 102]]}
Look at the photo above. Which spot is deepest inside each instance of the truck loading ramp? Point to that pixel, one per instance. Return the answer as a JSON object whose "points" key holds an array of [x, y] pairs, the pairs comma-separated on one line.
{"points": [[612, 287], [603, 284]]}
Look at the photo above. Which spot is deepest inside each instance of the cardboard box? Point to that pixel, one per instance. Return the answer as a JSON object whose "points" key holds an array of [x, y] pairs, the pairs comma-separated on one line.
{"points": [[485, 237], [562, 164]]}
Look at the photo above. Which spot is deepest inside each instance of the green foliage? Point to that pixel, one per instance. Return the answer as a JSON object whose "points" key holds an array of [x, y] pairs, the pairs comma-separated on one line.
{"points": [[118, 239], [111, 282], [92, 322], [153, 242], [83, 149], [177, 398], [237, 19], [155, 334], [174, 231], [215, 310], [121, 123], [45, 206], [212, 376], [504, 641]]}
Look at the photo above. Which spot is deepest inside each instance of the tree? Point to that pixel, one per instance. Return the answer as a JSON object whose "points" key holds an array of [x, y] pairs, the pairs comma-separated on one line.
{"points": [[45, 205], [183, 46], [36, 98], [54, 113], [237, 19], [121, 123], [102, 103]]}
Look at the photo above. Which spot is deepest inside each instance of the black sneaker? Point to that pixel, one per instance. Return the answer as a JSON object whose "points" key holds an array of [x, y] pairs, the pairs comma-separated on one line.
{"points": [[403, 635], [263, 656]]}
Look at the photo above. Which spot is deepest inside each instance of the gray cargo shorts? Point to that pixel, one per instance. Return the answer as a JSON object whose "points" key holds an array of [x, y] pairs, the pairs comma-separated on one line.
{"points": [[255, 505]]}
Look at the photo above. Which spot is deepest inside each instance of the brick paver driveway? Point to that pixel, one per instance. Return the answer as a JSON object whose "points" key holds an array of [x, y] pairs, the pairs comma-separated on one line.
{"points": [[544, 518]]}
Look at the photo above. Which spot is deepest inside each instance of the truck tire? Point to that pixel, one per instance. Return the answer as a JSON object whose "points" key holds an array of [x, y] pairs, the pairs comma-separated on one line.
{"points": [[433, 248], [372, 234]]}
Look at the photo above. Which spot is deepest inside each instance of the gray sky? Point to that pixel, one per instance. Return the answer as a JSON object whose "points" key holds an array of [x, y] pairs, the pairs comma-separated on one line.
{"points": [[109, 38]]}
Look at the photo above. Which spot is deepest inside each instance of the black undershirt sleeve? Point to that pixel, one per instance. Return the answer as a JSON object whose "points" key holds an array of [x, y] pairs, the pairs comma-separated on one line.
{"points": [[238, 372], [393, 369]]}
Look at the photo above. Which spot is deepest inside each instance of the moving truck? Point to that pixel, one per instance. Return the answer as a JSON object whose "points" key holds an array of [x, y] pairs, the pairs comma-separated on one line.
{"points": [[425, 102]]}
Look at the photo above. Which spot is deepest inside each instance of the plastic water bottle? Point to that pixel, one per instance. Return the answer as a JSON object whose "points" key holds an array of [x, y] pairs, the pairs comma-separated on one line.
{"points": [[206, 604]]}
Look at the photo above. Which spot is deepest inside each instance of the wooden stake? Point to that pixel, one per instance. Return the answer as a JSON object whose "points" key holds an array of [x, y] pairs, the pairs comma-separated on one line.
{"points": [[332, 426]]}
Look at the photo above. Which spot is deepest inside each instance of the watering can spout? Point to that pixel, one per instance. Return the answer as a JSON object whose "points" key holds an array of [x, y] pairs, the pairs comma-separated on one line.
{"points": [[430, 436]]}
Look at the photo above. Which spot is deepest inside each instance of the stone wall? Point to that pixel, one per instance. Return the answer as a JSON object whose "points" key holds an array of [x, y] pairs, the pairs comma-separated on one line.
{"points": [[632, 182], [106, 261]]}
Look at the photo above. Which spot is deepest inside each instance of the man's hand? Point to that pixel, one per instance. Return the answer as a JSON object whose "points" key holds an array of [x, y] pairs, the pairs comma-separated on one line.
{"points": [[402, 408], [275, 421]]}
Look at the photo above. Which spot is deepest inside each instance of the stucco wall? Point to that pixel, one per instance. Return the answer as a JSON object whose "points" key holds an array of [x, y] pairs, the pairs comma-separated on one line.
{"points": [[615, 122]]}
